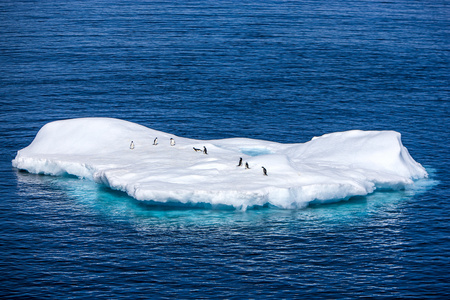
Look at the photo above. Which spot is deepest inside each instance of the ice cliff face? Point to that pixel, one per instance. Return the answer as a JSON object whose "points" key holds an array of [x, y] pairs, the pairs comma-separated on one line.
{"points": [[332, 167]]}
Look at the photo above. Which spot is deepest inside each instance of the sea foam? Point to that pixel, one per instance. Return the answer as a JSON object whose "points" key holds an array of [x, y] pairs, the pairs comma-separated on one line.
{"points": [[328, 168]]}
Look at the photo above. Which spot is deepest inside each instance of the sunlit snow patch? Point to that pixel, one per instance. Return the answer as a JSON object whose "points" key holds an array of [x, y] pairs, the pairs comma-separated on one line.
{"points": [[122, 155]]}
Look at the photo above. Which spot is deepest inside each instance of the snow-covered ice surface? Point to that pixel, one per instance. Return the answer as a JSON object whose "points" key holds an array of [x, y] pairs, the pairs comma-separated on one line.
{"points": [[329, 168]]}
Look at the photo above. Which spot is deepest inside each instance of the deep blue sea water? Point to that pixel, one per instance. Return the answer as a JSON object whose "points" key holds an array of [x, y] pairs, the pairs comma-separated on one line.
{"points": [[283, 71]]}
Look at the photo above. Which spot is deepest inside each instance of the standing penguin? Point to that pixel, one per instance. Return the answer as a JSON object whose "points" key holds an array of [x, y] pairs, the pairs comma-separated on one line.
{"points": [[172, 142], [240, 162], [264, 171], [204, 150], [155, 141], [132, 145], [246, 165]]}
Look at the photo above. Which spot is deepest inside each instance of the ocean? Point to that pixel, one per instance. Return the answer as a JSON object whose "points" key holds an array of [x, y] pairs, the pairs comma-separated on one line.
{"points": [[282, 71]]}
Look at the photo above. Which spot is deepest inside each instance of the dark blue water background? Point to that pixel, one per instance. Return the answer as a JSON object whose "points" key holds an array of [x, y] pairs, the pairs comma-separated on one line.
{"points": [[283, 71]]}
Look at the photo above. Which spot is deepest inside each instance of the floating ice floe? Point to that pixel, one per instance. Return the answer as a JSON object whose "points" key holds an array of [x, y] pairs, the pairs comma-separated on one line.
{"points": [[126, 156]]}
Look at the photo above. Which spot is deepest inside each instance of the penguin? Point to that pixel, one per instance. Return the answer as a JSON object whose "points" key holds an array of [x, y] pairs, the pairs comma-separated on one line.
{"points": [[132, 145], [155, 141], [197, 150], [172, 142], [246, 165], [240, 162], [204, 150], [264, 171]]}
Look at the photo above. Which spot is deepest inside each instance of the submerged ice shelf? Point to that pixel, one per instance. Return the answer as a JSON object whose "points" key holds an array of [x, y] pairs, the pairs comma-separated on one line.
{"points": [[329, 168]]}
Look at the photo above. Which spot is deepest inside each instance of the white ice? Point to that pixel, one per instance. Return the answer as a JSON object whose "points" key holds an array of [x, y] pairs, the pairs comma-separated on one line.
{"points": [[329, 168]]}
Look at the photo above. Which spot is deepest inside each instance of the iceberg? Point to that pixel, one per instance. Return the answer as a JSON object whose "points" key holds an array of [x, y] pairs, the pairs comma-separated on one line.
{"points": [[151, 165]]}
